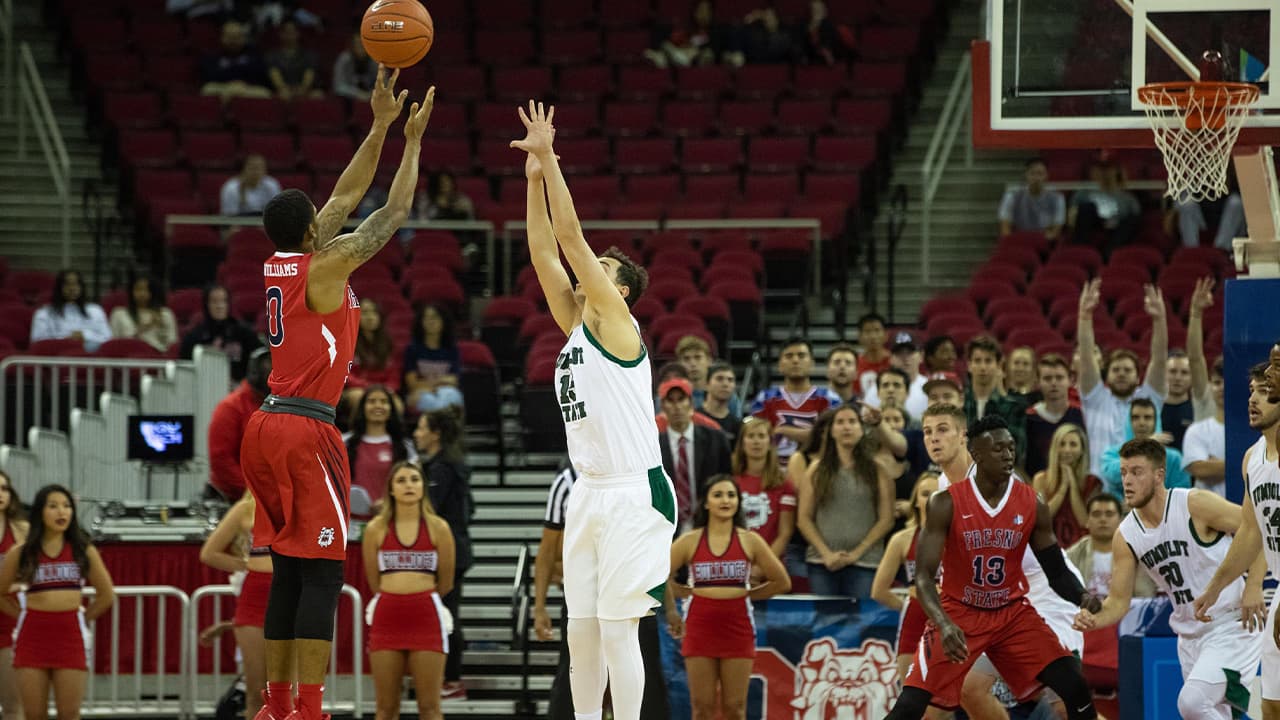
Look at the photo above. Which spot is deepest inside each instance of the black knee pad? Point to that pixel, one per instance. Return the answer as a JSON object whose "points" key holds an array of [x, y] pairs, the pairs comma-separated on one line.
{"points": [[912, 704], [321, 585], [1065, 677], [282, 603]]}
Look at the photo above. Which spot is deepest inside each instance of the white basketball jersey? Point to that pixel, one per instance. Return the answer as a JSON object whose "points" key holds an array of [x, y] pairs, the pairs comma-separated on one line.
{"points": [[1262, 485], [1182, 563], [607, 405]]}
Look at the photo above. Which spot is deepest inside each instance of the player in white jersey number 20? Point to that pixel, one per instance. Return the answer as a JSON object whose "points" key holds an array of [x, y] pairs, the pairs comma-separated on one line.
{"points": [[1259, 531], [617, 534]]}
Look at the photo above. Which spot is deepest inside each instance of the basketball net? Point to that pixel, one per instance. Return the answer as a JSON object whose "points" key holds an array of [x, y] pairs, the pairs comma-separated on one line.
{"points": [[1196, 125]]}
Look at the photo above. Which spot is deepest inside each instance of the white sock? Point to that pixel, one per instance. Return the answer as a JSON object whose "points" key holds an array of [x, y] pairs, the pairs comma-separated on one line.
{"points": [[621, 642], [587, 674]]}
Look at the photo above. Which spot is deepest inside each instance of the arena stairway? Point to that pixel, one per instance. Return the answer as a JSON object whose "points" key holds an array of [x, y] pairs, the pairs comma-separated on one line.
{"points": [[30, 236]]}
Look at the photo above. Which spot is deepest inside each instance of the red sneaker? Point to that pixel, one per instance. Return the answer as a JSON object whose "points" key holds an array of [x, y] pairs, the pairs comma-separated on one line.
{"points": [[453, 691], [264, 713], [302, 712]]}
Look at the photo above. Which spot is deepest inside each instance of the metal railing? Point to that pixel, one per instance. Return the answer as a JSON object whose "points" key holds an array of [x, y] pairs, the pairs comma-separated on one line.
{"points": [[143, 694], [520, 629], [954, 116], [34, 108]]}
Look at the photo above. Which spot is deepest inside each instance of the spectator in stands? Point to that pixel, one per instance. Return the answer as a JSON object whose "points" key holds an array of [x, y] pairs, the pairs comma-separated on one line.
{"points": [[375, 361], [376, 441], [13, 528], [1195, 217], [807, 453], [144, 316], [842, 372], [765, 41], [248, 191], [1092, 553], [768, 497], [226, 427], [222, 331], [895, 463], [1106, 392], [236, 70], [1033, 207], [875, 354], [438, 438], [69, 315], [940, 354], [291, 68], [671, 371], [1144, 423], [695, 355], [1204, 450], [986, 396], [825, 42], [1107, 208], [1045, 417], [721, 397], [354, 72], [1066, 483], [1020, 379], [690, 453], [694, 41], [50, 648], [443, 201], [944, 388], [906, 356], [432, 363], [792, 407], [845, 509], [891, 392], [1190, 398]]}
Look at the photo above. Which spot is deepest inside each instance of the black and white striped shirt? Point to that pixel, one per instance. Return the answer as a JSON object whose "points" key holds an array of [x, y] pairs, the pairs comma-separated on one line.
{"points": [[558, 498]]}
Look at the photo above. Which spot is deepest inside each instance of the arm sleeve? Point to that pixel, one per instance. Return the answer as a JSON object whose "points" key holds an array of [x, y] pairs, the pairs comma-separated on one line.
{"points": [[42, 325], [97, 330], [1063, 581], [168, 327], [1006, 206], [1059, 209], [757, 405], [121, 324], [229, 198]]}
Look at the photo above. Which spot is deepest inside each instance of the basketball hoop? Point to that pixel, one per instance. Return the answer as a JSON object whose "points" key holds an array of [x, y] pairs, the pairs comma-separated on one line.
{"points": [[1196, 125]]}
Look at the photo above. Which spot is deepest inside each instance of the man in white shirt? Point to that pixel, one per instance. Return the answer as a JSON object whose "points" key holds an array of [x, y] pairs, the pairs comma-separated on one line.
{"points": [[248, 192], [906, 356], [1033, 207], [1106, 404], [1204, 449]]}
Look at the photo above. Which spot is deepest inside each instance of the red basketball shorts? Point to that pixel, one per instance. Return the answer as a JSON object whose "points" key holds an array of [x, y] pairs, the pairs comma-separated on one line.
{"points": [[52, 640], [1015, 638], [251, 604], [298, 471], [911, 628], [719, 628], [408, 623]]}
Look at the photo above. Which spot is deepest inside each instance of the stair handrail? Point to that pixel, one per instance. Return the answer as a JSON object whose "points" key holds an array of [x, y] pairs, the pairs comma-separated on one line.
{"points": [[953, 116], [6, 35], [520, 629], [34, 107]]}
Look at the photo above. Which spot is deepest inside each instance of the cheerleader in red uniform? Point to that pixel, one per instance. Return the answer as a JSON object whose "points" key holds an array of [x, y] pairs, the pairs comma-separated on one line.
{"points": [[900, 555], [52, 642], [409, 559], [13, 531], [229, 548], [718, 631]]}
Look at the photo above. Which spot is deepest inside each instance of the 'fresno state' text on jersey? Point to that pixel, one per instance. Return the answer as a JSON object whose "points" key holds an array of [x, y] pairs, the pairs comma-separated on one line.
{"points": [[982, 560], [310, 353]]}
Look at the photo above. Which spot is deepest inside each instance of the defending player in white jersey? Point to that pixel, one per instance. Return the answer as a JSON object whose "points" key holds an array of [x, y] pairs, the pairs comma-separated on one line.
{"points": [[1259, 531], [622, 511], [1179, 537]]}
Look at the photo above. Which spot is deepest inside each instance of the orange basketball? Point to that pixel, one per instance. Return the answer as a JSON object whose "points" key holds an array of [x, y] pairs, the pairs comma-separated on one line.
{"points": [[397, 33]]}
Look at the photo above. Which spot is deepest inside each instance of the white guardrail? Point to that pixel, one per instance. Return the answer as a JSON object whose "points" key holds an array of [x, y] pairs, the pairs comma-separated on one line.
{"points": [[34, 109], [954, 116]]}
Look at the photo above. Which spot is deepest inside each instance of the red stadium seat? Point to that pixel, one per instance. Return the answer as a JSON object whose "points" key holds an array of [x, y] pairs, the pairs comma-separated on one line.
{"points": [[644, 155], [841, 187], [326, 153], [596, 189], [820, 81], [1001, 272], [132, 109], [1032, 336], [761, 82], [658, 188], [1003, 324], [777, 187], [777, 154], [586, 83], [688, 119], [517, 85], [257, 113], [803, 117], [329, 115], [148, 148], [753, 118], [65, 347], [211, 150], [1016, 305], [1026, 258], [889, 42], [113, 70], [584, 155], [276, 148], [630, 118], [504, 47], [452, 154], [1046, 290], [718, 155], [176, 73], [1080, 255], [749, 259], [626, 46], [703, 83], [571, 46], [832, 214], [466, 83], [195, 112], [128, 348], [878, 79], [844, 154], [1141, 256], [717, 187], [643, 83], [635, 211], [690, 209], [863, 116]]}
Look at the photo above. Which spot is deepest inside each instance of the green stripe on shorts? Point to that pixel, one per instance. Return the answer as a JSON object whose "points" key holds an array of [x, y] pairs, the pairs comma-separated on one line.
{"points": [[1237, 693], [660, 496], [659, 591]]}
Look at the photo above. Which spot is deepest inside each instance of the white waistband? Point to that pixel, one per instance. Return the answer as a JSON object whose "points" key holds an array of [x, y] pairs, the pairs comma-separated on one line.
{"points": [[611, 481]]}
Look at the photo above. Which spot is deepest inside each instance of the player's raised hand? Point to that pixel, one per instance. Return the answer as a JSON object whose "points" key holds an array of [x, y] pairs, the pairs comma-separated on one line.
{"points": [[539, 133], [1084, 621], [953, 643], [1253, 610], [1090, 296], [385, 102], [1202, 298], [419, 115], [1202, 604], [1153, 302]]}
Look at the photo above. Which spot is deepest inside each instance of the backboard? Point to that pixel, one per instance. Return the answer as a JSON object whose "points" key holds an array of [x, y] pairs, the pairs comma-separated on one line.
{"points": [[1066, 74]]}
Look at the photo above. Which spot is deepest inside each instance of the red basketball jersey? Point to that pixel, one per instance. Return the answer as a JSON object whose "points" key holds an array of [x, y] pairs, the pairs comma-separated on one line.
{"points": [[310, 353], [982, 560]]}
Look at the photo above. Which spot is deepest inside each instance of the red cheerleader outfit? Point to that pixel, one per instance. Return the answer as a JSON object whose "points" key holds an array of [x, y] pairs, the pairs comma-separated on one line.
{"points": [[414, 621], [53, 640], [911, 624], [719, 627], [7, 622], [251, 604]]}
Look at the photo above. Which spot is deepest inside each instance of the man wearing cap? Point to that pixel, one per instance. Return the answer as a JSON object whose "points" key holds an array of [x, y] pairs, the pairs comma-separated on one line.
{"points": [[906, 357], [944, 388], [690, 453]]}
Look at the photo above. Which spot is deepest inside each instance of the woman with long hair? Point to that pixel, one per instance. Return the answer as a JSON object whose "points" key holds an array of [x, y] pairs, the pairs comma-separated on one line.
{"points": [[768, 499], [230, 548], [375, 363], [845, 509], [376, 440], [1066, 484], [220, 329], [13, 533], [899, 562], [432, 363], [51, 646], [438, 437], [145, 316], [409, 560], [70, 315], [719, 644]]}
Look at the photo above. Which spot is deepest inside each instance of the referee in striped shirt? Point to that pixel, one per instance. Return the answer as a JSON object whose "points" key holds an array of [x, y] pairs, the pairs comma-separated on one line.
{"points": [[547, 568]]}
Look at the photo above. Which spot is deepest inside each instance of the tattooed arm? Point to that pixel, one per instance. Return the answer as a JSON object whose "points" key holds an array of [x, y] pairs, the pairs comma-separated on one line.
{"points": [[331, 265]]}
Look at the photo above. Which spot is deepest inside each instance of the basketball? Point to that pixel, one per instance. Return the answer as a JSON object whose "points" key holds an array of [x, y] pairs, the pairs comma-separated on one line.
{"points": [[397, 33]]}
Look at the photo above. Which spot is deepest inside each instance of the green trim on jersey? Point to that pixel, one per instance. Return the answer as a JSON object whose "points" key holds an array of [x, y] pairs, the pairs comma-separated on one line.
{"points": [[610, 356], [1191, 523], [660, 496]]}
